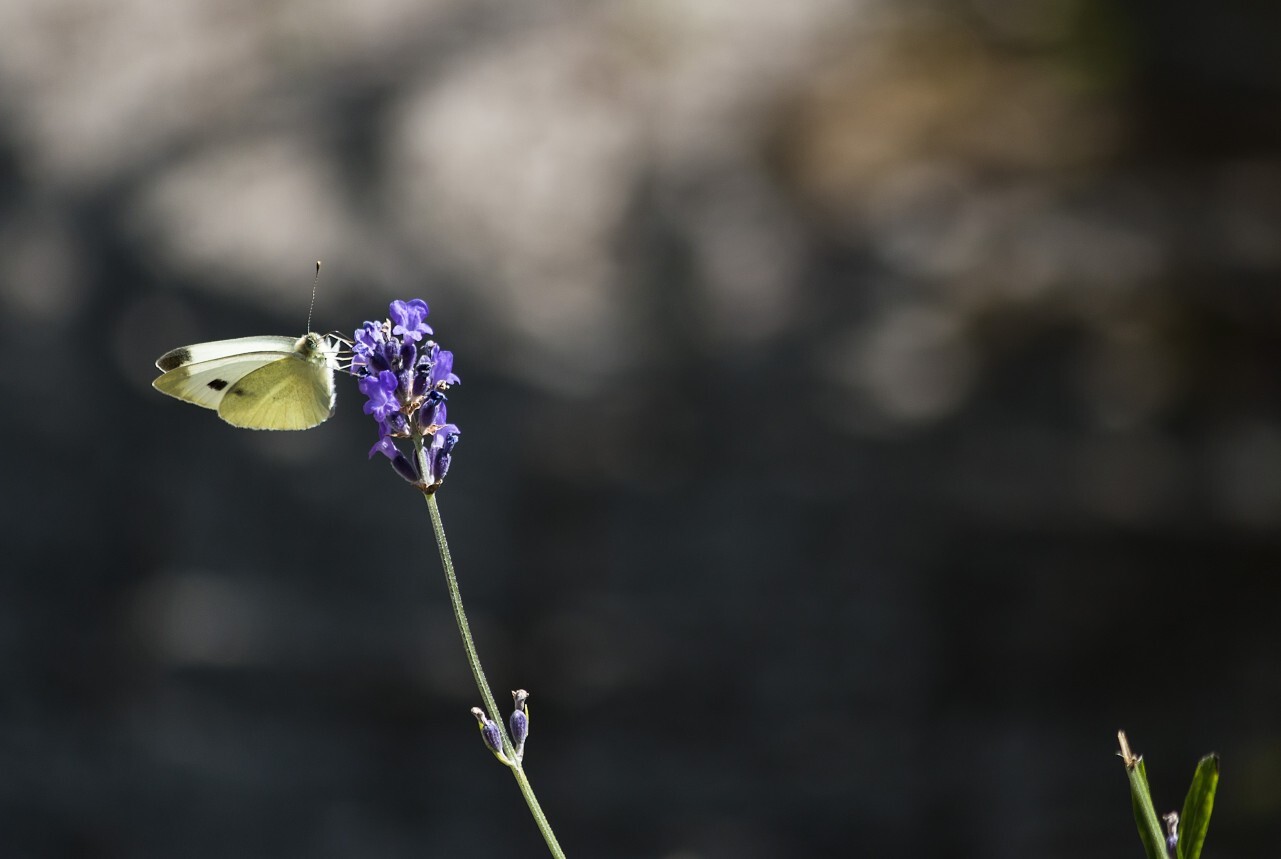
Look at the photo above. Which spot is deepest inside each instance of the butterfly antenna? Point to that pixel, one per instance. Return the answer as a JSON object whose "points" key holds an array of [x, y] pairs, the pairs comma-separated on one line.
{"points": [[314, 283]]}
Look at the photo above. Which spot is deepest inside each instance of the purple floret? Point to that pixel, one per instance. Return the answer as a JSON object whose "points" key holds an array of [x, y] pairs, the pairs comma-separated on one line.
{"points": [[381, 391], [408, 319]]}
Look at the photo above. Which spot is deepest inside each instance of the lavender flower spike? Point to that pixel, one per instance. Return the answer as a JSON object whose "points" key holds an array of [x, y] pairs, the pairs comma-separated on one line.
{"points": [[405, 379]]}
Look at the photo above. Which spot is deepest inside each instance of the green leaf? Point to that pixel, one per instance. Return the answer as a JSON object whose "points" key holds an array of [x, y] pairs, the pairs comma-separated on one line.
{"points": [[1195, 820], [1150, 831]]}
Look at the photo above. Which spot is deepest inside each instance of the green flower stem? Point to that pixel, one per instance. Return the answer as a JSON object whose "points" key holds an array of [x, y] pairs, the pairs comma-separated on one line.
{"points": [[473, 659]]}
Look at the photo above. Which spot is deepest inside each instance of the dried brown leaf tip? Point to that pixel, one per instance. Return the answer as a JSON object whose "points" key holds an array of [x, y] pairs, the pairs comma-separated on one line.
{"points": [[1128, 756]]}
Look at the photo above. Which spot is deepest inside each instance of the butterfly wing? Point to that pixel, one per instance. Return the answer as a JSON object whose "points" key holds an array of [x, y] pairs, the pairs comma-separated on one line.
{"points": [[214, 350], [206, 383], [292, 393]]}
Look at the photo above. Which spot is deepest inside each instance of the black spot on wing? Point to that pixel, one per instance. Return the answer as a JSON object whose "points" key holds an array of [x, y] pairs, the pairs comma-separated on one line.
{"points": [[176, 358], [218, 384]]}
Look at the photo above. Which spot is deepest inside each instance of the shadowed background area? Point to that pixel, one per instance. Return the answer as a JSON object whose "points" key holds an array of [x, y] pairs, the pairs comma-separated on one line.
{"points": [[867, 409]]}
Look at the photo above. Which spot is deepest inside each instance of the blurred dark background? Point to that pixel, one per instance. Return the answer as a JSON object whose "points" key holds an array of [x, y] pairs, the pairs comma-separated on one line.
{"points": [[867, 408]]}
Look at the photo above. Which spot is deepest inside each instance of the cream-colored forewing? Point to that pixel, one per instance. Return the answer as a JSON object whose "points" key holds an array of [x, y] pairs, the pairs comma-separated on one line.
{"points": [[289, 394], [206, 383], [212, 351]]}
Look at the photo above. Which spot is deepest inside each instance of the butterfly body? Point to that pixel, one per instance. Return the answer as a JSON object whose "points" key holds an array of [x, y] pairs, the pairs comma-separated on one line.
{"points": [[267, 382]]}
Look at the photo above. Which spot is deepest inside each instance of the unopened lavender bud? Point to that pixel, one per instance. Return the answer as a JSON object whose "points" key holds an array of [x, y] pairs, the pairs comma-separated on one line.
{"points": [[422, 378], [397, 423], [520, 717], [432, 412], [408, 355], [489, 732], [405, 468], [403, 465], [519, 722], [440, 453], [520, 729], [1172, 833]]}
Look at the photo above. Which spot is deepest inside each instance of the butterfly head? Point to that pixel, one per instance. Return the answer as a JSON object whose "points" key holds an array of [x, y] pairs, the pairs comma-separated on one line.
{"points": [[319, 349]]}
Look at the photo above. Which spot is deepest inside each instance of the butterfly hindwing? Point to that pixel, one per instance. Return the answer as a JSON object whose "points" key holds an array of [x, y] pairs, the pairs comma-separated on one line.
{"points": [[291, 393]]}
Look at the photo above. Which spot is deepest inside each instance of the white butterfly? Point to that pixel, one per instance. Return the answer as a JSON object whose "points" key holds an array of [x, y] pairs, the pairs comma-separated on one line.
{"points": [[272, 383]]}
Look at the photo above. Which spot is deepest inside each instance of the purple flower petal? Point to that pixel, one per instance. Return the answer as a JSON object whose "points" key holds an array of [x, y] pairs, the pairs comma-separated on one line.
{"points": [[408, 319], [443, 370], [381, 391], [386, 447]]}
